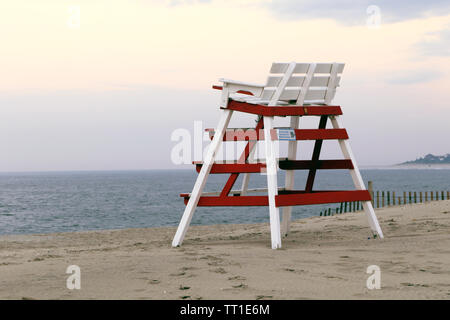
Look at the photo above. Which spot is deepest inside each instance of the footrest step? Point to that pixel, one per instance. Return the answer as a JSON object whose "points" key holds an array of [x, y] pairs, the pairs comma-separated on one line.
{"points": [[286, 199]]}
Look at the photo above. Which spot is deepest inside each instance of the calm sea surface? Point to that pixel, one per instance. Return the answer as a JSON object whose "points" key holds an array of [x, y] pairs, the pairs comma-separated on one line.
{"points": [[74, 201]]}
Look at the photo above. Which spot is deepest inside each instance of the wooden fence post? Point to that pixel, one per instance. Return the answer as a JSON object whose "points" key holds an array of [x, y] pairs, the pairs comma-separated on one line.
{"points": [[378, 199], [355, 206]]}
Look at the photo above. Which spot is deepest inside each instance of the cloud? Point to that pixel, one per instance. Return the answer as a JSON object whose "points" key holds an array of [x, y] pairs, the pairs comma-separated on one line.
{"points": [[413, 77], [437, 44], [354, 12]]}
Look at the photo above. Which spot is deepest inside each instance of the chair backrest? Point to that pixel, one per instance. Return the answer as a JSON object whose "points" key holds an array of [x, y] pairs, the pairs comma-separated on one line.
{"points": [[302, 83]]}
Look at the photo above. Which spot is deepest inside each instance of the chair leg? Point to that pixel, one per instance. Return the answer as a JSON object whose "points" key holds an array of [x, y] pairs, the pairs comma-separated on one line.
{"points": [[272, 185], [201, 179], [292, 154], [373, 221], [357, 180]]}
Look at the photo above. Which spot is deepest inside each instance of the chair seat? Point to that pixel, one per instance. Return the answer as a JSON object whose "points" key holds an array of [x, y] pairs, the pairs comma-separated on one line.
{"points": [[254, 100]]}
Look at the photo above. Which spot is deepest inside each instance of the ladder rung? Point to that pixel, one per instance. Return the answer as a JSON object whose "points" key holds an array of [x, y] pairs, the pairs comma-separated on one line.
{"points": [[235, 168], [259, 165], [285, 200], [300, 134], [319, 164], [291, 198]]}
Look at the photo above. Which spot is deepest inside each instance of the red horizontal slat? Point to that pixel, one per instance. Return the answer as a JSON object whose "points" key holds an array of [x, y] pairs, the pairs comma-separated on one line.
{"points": [[300, 134], [283, 110], [320, 164], [285, 200], [291, 198], [241, 201], [242, 135], [320, 134], [235, 167]]}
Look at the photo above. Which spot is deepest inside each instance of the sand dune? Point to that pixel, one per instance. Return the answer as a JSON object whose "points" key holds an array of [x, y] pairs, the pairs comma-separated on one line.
{"points": [[323, 258]]}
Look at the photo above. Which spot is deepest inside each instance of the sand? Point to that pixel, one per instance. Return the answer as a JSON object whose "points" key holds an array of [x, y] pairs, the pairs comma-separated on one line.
{"points": [[322, 258]]}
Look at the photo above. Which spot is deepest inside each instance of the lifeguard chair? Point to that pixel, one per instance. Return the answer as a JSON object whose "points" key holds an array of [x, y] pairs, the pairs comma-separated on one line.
{"points": [[292, 90]]}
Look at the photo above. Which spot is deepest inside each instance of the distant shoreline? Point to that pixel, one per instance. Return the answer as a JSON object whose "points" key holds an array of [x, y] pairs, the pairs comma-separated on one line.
{"points": [[423, 166], [408, 166]]}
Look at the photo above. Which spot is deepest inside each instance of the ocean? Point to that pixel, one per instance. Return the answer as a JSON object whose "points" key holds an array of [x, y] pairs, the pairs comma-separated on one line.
{"points": [[47, 202]]}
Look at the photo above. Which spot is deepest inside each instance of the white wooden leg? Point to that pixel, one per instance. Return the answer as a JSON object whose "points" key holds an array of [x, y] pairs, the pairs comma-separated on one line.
{"points": [[272, 186], [292, 154], [357, 179], [371, 216], [202, 177]]}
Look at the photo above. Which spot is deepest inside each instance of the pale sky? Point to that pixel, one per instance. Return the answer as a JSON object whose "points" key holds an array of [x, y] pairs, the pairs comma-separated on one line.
{"points": [[102, 84]]}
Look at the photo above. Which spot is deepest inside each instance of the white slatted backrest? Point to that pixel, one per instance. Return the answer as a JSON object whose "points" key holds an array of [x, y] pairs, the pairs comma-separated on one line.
{"points": [[283, 83], [304, 83], [332, 83]]}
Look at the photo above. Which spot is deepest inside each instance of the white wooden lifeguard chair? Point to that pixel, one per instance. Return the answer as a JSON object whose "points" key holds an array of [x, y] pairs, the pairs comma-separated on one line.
{"points": [[292, 90]]}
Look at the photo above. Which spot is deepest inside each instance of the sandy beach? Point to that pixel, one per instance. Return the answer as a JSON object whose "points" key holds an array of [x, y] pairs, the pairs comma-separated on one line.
{"points": [[322, 258]]}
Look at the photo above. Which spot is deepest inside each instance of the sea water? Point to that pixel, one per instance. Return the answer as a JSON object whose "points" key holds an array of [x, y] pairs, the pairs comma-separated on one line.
{"points": [[47, 202]]}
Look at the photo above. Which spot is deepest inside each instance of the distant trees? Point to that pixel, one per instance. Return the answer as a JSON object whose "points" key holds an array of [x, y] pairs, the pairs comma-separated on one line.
{"points": [[430, 159]]}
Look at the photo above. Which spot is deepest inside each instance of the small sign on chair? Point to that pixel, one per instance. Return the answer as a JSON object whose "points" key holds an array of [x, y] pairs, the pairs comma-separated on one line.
{"points": [[286, 134]]}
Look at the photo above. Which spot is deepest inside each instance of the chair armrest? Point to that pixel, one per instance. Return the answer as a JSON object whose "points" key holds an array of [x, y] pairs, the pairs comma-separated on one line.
{"points": [[234, 86], [241, 83]]}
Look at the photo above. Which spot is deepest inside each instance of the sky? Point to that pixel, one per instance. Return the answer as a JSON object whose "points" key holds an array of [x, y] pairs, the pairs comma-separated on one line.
{"points": [[102, 85]]}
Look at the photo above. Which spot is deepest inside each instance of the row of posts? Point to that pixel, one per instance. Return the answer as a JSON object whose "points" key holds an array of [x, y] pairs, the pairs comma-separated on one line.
{"points": [[382, 198], [388, 198], [344, 207]]}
